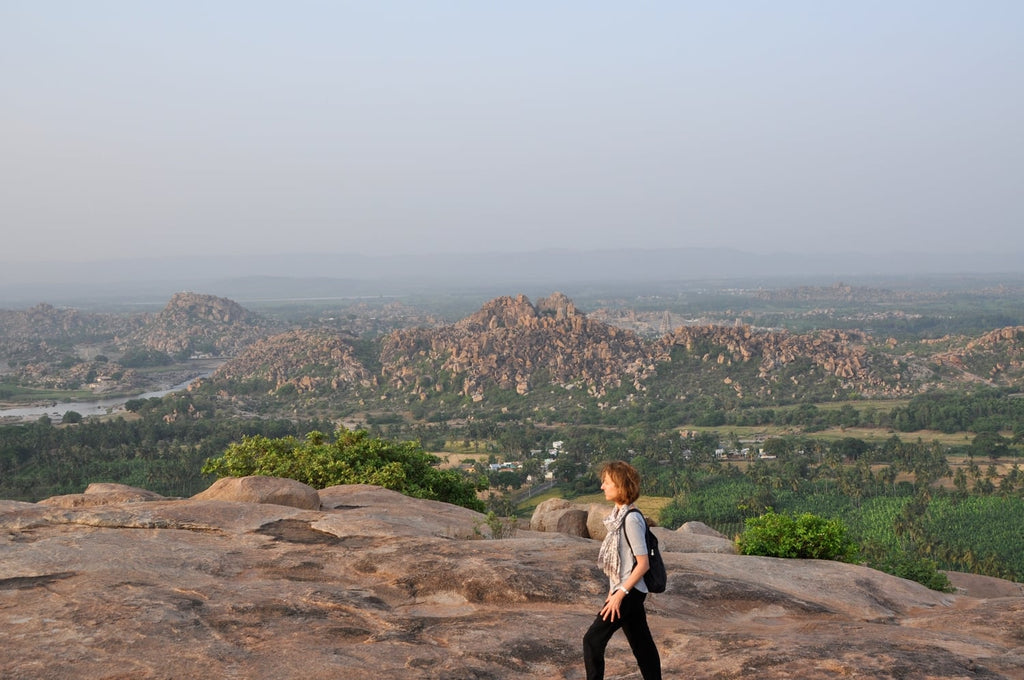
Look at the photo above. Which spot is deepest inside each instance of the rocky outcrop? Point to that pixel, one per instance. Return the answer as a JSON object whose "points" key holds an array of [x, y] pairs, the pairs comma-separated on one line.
{"points": [[257, 489], [54, 326], [309, 360], [378, 584], [694, 537], [551, 350], [596, 512], [510, 344], [191, 322], [44, 346], [843, 355], [105, 493], [996, 356], [560, 516]]}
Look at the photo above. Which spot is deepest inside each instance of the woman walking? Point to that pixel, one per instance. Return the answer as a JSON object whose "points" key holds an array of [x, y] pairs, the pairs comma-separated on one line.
{"points": [[623, 557]]}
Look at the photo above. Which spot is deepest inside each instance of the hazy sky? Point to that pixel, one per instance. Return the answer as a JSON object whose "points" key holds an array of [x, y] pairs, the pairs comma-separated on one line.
{"points": [[134, 128]]}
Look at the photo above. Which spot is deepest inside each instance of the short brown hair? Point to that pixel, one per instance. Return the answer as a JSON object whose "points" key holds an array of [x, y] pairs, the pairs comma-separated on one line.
{"points": [[625, 477]]}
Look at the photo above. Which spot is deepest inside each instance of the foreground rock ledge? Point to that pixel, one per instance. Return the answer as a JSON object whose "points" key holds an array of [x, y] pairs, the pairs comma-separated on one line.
{"points": [[375, 584]]}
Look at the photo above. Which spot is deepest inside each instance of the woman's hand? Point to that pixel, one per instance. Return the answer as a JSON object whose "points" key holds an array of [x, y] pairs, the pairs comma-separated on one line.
{"points": [[612, 604]]}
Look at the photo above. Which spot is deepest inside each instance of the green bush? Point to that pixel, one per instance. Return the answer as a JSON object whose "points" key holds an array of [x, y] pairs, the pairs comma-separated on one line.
{"points": [[912, 567], [803, 536], [352, 458]]}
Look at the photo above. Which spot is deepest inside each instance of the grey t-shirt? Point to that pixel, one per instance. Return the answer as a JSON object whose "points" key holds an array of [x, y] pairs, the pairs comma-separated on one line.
{"points": [[636, 530]]}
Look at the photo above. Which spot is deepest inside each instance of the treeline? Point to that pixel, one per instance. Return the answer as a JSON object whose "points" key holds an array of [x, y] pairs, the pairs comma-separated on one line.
{"points": [[894, 497], [986, 409], [902, 525], [162, 451], [982, 410]]}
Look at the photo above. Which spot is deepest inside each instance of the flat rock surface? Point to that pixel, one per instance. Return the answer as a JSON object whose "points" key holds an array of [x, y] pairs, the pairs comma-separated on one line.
{"points": [[378, 585]]}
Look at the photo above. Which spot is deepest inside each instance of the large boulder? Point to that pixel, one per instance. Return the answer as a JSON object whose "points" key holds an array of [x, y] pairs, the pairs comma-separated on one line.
{"points": [[683, 541], [378, 506], [258, 489], [700, 529], [560, 516], [596, 512], [102, 493]]}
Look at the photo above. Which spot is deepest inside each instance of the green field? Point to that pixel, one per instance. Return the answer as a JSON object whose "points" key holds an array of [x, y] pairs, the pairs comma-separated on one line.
{"points": [[17, 394]]}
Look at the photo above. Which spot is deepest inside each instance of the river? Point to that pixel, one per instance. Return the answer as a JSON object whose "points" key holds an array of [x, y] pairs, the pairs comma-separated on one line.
{"points": [[56, 410]]}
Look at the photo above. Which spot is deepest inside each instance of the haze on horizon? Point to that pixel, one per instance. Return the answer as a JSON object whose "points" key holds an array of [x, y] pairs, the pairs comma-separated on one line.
{"points": [[136, 130]]}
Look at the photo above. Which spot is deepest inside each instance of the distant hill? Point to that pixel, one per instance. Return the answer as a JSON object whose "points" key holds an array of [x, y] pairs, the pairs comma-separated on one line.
{"points": [[510, 344], [509, 354], [306, 360], [550, 354], [195, 323]]}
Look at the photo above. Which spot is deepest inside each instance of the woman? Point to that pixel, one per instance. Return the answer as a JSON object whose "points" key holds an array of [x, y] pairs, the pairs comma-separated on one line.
{"points": [[624, 606]]}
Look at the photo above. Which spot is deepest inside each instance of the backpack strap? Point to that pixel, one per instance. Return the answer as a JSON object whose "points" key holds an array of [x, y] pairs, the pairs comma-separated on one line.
{"points": [[624, 533]]}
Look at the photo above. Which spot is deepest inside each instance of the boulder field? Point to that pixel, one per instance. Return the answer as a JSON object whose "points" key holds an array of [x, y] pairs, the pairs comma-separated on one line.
{"points": [[122, 583]]}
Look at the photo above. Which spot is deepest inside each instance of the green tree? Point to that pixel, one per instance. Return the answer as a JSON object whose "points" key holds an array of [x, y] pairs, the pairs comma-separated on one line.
{"points": [[850, 448], [990, 444], [353, 457], [801, 535]]}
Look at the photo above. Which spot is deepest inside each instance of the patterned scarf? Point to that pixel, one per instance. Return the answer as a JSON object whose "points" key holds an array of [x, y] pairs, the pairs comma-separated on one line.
{"points": [[608, 556]]}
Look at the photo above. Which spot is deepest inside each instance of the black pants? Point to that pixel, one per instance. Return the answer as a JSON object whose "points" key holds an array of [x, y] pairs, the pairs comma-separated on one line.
{"points": [[633, 623]]}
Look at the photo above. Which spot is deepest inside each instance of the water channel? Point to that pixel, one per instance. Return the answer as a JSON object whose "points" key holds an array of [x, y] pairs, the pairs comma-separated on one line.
{"points": [[56, 410]]}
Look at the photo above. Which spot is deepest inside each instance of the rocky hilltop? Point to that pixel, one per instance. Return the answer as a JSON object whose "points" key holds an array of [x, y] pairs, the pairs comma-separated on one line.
{"points": [[995, 356], [309, 360], [202, 323], [511, 344], [45, 321], [46, 333], [357, 581], [851, 358]]}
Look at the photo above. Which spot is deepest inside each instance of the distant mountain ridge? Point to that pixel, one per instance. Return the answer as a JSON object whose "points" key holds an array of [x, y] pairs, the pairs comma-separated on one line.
{"points": [[318, 274], [549, 354], [513, 346]]}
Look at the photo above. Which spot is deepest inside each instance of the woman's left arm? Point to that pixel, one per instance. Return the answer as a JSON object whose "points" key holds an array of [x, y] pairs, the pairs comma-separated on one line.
{"points": [[637, 541], [643, 563], [613, 603]]}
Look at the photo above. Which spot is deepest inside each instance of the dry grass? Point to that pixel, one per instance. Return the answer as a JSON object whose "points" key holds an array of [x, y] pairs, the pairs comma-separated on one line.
{"points": [[649, 505], [453, 460], [868, 434]]}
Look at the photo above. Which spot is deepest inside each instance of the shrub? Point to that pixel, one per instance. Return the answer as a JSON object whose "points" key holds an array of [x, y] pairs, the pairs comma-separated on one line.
{"points": [[803, 536], [500, 527], [352, 458], [914, 568]]}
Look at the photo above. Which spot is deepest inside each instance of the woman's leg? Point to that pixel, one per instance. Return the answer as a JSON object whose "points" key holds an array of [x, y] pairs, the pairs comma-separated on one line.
{"points": [[594, 643], [638, 634]]}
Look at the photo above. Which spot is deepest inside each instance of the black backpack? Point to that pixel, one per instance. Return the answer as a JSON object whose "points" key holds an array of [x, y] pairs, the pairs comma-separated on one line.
{"points": [[656, 578]]}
